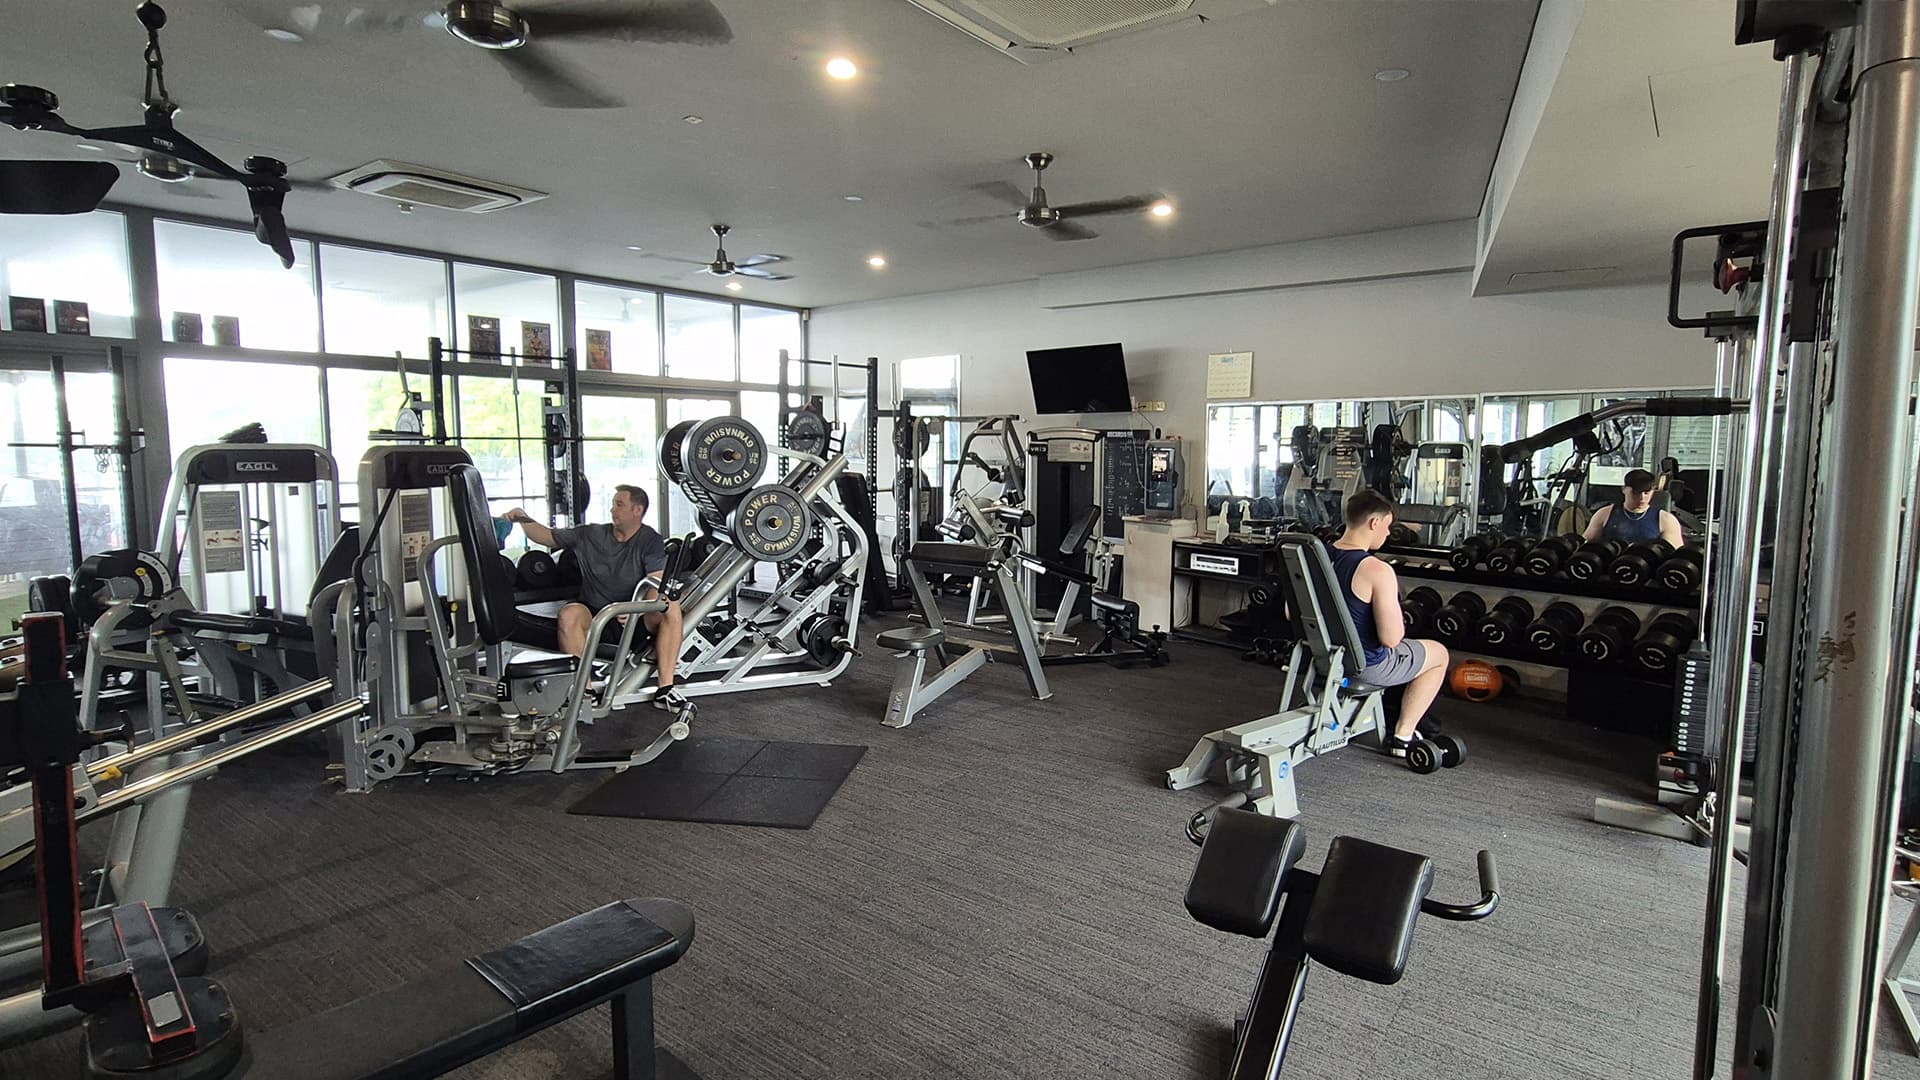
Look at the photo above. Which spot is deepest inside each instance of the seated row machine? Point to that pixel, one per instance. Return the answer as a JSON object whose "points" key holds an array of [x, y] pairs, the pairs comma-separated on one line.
{"points": [[1356, 915]]}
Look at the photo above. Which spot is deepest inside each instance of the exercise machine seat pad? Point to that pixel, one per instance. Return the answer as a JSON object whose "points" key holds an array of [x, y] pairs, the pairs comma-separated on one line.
{"points": [[1115, 604], [1242, 871], [338, 565], [458, 1014], [1363, 912], [940, 556], [912, 638], [538, 625], [533, 663], [488, 585]]}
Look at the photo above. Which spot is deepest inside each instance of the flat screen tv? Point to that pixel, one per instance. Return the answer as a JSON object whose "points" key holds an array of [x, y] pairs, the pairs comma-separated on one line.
{"points": [[1081, 379]]}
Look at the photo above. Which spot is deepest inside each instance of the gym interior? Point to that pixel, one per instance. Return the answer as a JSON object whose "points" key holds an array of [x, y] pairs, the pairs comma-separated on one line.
{"points": [[715, 538]]}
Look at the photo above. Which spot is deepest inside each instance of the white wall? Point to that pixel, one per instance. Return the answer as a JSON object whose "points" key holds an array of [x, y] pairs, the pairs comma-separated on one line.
{"points": [[1403, 337]]}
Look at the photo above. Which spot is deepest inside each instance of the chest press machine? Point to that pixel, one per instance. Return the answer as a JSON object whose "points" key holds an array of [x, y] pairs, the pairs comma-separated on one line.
{"points": [[1322, 706]]}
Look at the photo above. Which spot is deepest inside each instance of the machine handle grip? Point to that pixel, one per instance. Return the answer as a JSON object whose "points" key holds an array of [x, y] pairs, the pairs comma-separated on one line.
{"points": [[1480, 909]]}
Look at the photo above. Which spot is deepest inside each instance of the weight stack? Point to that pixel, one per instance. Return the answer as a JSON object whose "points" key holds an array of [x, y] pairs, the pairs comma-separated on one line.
{"points": [[1690, 720]]}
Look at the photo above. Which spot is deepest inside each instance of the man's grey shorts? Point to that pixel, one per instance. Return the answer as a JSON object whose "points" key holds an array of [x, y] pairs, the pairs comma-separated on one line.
{"points": [[1400, 665]]}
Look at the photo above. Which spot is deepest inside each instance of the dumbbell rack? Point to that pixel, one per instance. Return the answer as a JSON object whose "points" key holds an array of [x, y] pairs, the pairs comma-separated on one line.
{"points": [[1427, 565]]}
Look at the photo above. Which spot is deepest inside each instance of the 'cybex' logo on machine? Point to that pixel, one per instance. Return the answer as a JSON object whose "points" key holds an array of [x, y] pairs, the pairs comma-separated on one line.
{"points": [[255, 466]]}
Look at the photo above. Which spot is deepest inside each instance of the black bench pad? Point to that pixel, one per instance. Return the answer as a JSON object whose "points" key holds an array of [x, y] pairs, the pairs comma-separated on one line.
{"points": [[1363, 913], [222, 623], [1242, 871], [950, 558], [469, 1010]]}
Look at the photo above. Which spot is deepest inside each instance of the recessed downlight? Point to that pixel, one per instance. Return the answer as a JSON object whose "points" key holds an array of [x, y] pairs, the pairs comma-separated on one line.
{"points": [[1161, 209], [877, 261], [635, 247], [281, 33], [692, 119], [1391, 74], [842, 68], [854, 198], [734, 286]]}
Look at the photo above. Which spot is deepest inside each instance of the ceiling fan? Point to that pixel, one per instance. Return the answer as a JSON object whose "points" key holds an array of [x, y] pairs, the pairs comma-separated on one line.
{"points": [[722, 267], [1054, 222], [520, 38]]}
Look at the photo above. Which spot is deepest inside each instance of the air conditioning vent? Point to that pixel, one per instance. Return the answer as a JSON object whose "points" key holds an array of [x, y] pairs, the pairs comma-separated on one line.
{"points": [[423, 185], [1038, 30]]}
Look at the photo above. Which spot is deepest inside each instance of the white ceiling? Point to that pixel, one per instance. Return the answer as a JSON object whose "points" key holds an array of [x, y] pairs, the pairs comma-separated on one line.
{"points": [[1657, 122], [1264, 128]]}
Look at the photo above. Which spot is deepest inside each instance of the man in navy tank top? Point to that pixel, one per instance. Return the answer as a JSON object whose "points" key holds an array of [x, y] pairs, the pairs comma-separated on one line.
{"points": [[1372, 592], [1635, 520]]}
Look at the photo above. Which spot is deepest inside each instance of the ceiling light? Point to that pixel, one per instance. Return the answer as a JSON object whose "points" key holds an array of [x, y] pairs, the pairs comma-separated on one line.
{"points": [[853, 198], [634, 247], [734, 286], [279, 33], [1391, 74], [1161, 209], [876, 261], [692, 119], [842, 68]]}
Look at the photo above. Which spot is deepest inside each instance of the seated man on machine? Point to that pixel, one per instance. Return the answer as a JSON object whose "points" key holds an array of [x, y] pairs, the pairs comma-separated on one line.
{"points": [[614, 559], [1372, 592], [1635, 521]]}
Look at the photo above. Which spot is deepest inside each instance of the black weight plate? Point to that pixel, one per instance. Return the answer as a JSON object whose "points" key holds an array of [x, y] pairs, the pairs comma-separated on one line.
{"points": [[724, 456], [772, 524], [807, 432], [672, 451]]}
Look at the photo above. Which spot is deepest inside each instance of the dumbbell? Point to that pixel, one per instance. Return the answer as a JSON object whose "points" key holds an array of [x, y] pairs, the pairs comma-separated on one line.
{"points": [[1667, 637], [1593, 558], [1555, 628], [1460, 615], [1637, 565], [538, 571], [1417, 608], [1610, 635], [1401, 535], [513, 572], [1681, 573], [1504, 623], [1508, 555], [1329, 533], [1551, 554], [1473, 551]]}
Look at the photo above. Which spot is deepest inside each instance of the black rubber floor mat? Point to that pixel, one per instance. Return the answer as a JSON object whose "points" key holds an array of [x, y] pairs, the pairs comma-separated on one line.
{"points": [[730, 782]]}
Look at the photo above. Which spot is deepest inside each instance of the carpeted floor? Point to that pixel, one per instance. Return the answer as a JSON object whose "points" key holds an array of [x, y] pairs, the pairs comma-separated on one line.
{"points": [[995, 892]]}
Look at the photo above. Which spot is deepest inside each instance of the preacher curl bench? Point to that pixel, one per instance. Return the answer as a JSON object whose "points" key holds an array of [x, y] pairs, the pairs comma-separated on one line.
{"points": [[1356, 915]]}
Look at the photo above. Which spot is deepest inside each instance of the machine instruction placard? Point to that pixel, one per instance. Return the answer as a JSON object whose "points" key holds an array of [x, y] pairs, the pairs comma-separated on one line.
{"points": [[416, 529], [223, 534]]}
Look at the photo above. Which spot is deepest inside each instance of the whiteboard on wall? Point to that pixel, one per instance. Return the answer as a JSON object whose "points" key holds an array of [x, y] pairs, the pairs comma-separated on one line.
{"points": [[1229, 375]]}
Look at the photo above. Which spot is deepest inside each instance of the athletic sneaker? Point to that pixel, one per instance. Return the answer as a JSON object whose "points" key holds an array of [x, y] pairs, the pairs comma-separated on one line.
{"points": [[671, 700], [1397, 746]]}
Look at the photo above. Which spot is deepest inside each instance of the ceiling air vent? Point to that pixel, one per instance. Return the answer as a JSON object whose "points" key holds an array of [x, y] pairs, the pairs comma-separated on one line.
{"points": [[421, 185], [1036, 30]]}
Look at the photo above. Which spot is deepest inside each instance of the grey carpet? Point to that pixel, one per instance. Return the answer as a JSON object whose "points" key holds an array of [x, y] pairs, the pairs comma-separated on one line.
{"points": [[995, 892]]}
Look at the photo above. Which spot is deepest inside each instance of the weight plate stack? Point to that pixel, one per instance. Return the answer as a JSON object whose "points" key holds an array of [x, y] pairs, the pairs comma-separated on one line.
{"points": [[672, 452], [772, 524], [807, 432], [724, 458]]}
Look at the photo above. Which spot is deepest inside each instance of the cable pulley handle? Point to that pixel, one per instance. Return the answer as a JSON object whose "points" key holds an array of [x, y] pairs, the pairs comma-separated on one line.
{"points": [[1489, 896]]}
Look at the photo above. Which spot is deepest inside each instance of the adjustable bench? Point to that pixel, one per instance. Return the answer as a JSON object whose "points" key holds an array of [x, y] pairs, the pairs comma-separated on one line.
{"points": [[1322, 707], [461, 1013], [1356, 915]]}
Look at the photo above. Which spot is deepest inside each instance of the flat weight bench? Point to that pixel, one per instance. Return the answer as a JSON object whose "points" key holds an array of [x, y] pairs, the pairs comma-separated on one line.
{"points": [[909, 694], [484, 1004], [1356, 915]]}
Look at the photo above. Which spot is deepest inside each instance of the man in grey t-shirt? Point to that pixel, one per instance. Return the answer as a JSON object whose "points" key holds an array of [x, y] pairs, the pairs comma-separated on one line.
{"points": [[614, 561]]}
